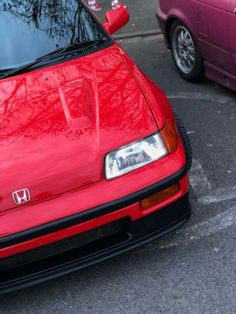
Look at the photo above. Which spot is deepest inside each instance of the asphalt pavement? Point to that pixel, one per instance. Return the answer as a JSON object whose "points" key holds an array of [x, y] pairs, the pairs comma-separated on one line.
{"points": [[192, 270]]}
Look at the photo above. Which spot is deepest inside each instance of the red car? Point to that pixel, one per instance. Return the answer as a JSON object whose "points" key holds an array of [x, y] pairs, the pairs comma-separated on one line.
{"points": [[201, 36], [92, 163]]}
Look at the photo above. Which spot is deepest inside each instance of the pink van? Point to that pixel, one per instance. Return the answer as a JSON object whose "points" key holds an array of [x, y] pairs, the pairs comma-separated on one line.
{"points": [[202, 37]]}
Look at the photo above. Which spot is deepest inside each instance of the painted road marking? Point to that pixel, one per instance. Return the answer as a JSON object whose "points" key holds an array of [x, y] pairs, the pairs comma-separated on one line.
{"points": [[204, 229], [201, 96], [204, 190], [196, 232], [221, 195], [199, 181]]}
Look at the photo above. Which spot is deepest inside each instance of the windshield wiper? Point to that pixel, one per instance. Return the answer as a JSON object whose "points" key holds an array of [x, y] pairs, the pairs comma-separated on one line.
{"points": [[62, 52]]}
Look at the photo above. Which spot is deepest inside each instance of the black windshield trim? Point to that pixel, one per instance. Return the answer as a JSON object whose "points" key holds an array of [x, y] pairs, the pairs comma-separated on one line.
{"points": [[58, 60], [58, 57]]}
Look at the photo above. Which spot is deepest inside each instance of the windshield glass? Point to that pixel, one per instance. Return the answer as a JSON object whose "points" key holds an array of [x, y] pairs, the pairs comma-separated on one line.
{"points": [[32, 28]]}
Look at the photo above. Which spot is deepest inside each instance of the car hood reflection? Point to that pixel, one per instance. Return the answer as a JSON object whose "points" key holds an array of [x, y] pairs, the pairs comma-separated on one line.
{"points": [[58, 123]]}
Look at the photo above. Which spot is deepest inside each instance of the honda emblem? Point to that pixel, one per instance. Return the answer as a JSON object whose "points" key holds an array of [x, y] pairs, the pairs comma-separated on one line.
{"points": [[21, 196]]}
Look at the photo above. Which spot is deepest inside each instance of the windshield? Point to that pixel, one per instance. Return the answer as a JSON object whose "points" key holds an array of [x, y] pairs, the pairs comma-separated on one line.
{"points": [[32, 28]]}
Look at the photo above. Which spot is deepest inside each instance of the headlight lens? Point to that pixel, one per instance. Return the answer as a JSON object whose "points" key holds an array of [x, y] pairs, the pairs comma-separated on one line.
{"points": [[134, 156]]}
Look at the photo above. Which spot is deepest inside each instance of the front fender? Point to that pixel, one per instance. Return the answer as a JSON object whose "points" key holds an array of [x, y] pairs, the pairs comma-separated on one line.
{"points": [[156, 99]]}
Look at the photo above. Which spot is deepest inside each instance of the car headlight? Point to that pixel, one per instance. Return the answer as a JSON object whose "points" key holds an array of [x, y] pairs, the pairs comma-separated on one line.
{"points": [[134, 156]]}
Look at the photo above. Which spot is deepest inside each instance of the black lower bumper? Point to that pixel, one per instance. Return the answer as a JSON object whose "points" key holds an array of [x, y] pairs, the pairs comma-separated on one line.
{"points": [[66, 256]]}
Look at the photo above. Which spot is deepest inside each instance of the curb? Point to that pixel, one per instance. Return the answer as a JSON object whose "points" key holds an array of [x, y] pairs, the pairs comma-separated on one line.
{"points": [[137, 34]]}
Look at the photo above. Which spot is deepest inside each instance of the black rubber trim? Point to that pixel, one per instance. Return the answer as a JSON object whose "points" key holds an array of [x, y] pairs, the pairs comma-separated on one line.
{"points": [[186, 141], [91, 213]]}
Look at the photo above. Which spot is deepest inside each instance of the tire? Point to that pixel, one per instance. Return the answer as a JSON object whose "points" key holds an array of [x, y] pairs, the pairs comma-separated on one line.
{"points": [[186, 142], [185, 53]]}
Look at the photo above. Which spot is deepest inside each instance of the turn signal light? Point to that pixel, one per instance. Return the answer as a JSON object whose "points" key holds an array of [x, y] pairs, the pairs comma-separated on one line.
{"points": [[170, 136], [160, 196]]}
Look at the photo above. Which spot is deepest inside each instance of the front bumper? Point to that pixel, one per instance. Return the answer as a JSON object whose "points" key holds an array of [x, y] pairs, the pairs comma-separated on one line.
{"points": [[66, 256], [67, 244], [62, 246]]}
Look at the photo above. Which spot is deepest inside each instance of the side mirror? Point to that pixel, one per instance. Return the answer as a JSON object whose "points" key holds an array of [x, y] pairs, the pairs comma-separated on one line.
{"points": [[116, 19]]}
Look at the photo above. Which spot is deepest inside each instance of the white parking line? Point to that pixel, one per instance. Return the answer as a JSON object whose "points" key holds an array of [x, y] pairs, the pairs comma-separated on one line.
{"points": [[204, 190], [203, 229], [221, 195], [201, 96], [196, 232], [199, 181]]}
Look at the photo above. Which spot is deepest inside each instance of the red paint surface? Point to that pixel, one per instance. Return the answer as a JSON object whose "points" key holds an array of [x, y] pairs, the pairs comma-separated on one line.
{"points": [[58, 123]]}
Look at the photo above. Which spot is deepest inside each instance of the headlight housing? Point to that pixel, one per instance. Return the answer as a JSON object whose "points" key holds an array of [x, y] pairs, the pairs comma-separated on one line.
{"points": [[134, 156]]}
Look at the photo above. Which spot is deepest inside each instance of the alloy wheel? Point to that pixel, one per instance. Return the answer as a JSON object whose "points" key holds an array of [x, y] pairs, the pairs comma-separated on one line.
{"points": [[183, 49]]}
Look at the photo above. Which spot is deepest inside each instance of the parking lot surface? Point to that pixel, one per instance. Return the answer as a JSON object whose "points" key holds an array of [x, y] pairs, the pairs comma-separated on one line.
{"points": [[191, 270]]}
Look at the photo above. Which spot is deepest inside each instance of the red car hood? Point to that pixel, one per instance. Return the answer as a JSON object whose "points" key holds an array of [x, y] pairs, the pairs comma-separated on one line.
{"points": [[57, 124]]}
